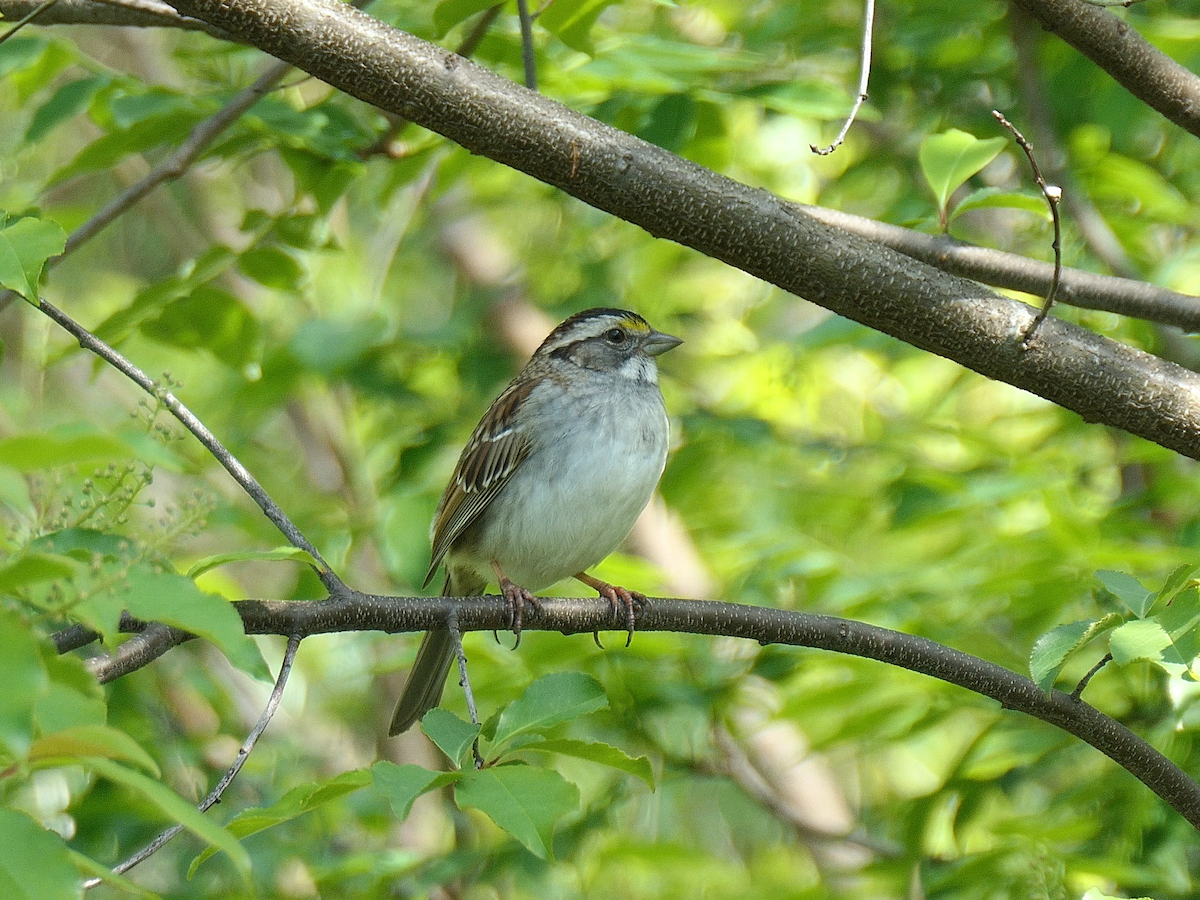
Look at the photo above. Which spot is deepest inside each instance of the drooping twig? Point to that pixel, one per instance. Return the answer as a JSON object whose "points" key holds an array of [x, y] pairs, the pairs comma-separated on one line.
{"points": [[527, 58], [864, 78], [232, 465], [1053, 195], [214, 796], [25, 20], [464, 681]]}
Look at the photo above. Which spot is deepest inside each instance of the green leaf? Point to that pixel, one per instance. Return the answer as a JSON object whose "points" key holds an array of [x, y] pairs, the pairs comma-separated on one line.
{"points": [[525, 802], [176, 600], [1052, 648], [1140, 639], [35, 864], [950, 158], [73, 697], [452, 735], [32, 567], [449, 13], [208, 318], [296, 802], [150, 302], [62, 446], [25, 245], [90, 867], [175, 808], [68, 101], [93, 740], [294, 554], [273, 267], [672, 122], [604, 754], [1176, 582], [549, 701], [571, 21], [402, 785], [995, 198], [25, 679], [1128, 590]]}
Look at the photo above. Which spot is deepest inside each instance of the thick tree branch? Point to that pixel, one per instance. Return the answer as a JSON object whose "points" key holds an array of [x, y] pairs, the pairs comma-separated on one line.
{"points": [[364, 612], [1116, 47], [752, 229], [132, 13]]}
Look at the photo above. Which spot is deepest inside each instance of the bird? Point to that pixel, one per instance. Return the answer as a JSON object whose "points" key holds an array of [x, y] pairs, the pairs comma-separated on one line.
{"points": [[551, 481]]}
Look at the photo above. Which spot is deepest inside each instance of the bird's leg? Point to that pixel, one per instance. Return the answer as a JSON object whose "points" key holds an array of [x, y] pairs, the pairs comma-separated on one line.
{"points": [[516, 597], [620, 598]]}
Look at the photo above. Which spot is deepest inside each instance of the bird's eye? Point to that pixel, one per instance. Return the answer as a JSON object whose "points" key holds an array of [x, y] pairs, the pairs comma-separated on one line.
{"points": [[614, 335]]}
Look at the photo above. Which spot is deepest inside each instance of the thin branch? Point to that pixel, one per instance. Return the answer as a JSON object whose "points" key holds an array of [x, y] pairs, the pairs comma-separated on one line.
{"points": [[1036, 103], [365, 612], [1086, 290], [151, 641], [527, 58], [864, 77], [1053, 195], [1086, 679], [232, 465], [464, 682], [29, 17], [214, 796], [170, 168]]}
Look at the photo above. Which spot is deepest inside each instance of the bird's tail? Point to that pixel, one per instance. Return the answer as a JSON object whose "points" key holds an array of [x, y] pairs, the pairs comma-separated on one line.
{"points": [[427, 679]]}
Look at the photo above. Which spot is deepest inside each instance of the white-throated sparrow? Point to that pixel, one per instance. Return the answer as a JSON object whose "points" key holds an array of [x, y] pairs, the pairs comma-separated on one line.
{"points": [[552, 480]]}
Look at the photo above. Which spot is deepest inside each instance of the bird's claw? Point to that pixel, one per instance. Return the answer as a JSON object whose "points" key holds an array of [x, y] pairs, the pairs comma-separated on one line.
{"points": [[517, 597], [631, 602]]}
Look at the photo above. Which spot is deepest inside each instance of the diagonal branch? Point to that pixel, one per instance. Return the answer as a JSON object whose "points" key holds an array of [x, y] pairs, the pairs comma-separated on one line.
{"points": [[749, 228], [1116, 47]]}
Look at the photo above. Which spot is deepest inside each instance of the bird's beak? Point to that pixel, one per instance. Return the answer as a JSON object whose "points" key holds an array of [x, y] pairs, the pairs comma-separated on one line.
{"points": [[656, 343]]}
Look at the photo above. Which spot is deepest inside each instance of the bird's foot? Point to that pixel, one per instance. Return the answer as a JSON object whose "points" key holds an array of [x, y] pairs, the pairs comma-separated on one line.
{"points": [[623, 600], [517, 598]]}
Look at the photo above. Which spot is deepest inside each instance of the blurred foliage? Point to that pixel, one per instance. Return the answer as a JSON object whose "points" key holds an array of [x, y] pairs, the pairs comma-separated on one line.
{"points": [[334, 307]]}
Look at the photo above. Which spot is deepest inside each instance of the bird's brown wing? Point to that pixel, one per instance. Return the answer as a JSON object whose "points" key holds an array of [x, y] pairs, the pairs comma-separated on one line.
{"points": [[492, 454]]}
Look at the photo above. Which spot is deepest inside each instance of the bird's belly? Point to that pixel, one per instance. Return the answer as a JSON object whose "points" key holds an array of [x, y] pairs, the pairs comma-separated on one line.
{"points": [[578, 501]]}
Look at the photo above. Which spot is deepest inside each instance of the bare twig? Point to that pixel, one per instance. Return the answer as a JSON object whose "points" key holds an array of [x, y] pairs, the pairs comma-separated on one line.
{"points": [[29, 17], [1053, 195], [232, 465], [527, 58], [1083, 682], [864, 78], [464, 681], [214, 796]]}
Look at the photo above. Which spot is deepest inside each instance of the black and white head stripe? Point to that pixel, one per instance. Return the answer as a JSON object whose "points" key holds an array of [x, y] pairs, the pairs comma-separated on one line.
{"points": [[592, 323]]}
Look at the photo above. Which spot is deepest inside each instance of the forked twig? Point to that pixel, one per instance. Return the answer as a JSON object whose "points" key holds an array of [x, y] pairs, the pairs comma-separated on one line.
{"points": [[1053, 195], [864, 77], [214, 796]]}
